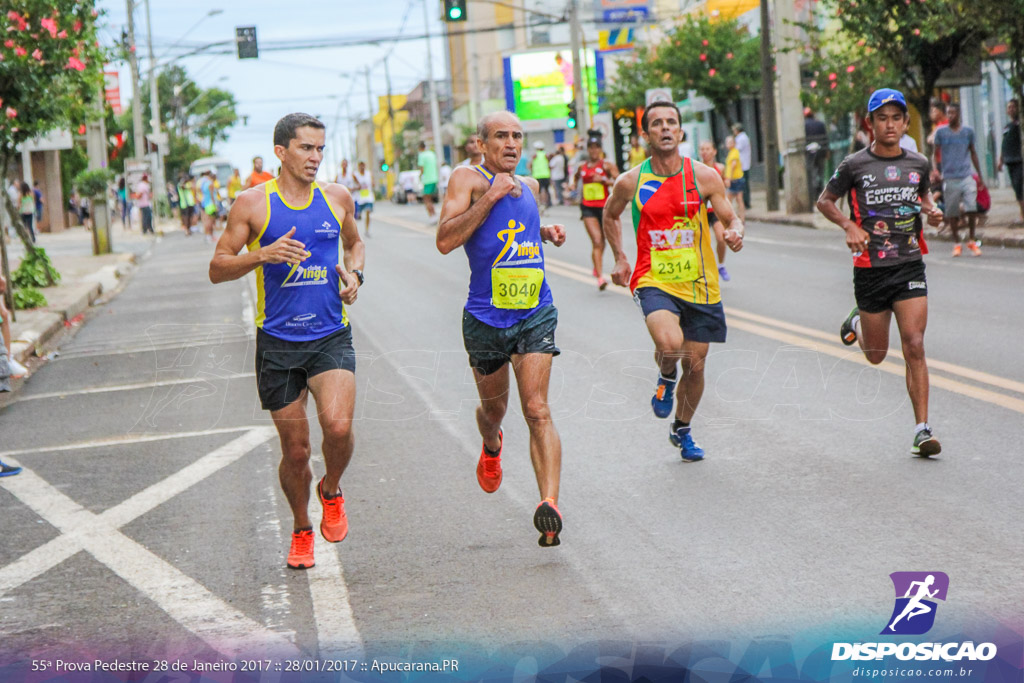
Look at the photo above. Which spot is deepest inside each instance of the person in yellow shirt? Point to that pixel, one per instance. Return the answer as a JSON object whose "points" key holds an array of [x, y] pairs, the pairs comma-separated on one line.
{"points": [[637, 153], [234, 185], [734, 180]]}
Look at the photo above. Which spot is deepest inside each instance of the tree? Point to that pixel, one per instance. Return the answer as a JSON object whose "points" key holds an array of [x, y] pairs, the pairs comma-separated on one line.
{"points": [[1008, 31], [51, 71], [717, 58], [921, 38], [633, 78]]}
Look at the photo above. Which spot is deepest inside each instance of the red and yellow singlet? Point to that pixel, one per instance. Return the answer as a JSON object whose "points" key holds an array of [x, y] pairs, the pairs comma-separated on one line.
{"points": [[674, 248]]}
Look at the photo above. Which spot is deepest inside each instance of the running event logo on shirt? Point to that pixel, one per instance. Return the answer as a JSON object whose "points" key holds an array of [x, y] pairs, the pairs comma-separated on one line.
{"points": [[915, 177], [515, 252], [916, 593], [892, 173], [300, 276]]}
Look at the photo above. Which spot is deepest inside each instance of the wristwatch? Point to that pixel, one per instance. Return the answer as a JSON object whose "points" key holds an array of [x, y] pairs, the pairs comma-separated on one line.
{"points": [[359, 274]]}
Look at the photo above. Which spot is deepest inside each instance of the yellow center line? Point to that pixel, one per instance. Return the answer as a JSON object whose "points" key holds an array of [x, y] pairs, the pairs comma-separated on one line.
{"points": [[809, 338]]}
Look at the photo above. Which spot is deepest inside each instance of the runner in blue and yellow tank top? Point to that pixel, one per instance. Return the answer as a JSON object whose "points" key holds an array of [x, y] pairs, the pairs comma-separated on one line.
{"points": [[304, 247], [675, 281], [509, 315]]}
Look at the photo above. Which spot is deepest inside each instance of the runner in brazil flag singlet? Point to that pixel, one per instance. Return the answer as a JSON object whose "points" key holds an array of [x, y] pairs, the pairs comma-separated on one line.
{"points": [[675, 279]]}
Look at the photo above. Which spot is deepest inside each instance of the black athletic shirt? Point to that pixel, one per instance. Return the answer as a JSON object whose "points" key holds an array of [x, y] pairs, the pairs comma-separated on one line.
{"points": [[885, 201]]}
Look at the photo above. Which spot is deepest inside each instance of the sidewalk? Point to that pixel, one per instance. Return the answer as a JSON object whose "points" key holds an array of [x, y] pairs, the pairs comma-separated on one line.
{"points": [[84, 279], [995, 233]]}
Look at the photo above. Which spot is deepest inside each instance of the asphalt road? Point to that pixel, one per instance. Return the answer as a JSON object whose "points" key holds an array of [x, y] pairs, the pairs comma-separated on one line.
{"points": [[149, 523]]}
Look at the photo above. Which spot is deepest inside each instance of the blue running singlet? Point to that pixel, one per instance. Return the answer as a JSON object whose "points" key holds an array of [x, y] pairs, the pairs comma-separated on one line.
{"points": [[300, 302], [506, 261]]}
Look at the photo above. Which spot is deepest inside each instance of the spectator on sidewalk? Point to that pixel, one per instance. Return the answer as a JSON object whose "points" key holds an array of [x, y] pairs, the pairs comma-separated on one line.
{"points": [[1010, 155], [557, 163], [37, 192], [743, 145], [144, 199], [816, 152], [9, 366], [125, 203], [27, 208], [954, 145], [735, 180]]}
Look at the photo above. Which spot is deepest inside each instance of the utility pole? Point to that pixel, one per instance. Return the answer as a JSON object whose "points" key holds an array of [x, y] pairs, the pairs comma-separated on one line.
{"points": [[133, 62], [435, 113], [791, 111], [579, 92], [372, 160], [159, 185], [769, 127], [474, 91]]}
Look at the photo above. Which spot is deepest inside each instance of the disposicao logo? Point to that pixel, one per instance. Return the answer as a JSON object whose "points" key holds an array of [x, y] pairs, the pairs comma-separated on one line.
{"points": [[913, 614]]}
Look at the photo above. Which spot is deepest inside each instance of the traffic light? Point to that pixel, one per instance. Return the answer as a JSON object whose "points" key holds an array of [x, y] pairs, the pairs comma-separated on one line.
{"points": [[570, 122], [455, 10], [245, 41], [384, 166]]}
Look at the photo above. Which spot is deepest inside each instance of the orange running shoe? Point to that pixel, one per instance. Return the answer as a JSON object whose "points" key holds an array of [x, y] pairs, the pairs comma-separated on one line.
{"points": [[548, 521], [488, 467], [975, 249], [957, 249], [334, 525], [301, 554]]}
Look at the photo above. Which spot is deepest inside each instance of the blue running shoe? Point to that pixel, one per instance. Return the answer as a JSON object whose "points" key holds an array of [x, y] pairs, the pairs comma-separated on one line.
{"points": [[8, 470], [723, 273], [662, 399], [688, 448]]}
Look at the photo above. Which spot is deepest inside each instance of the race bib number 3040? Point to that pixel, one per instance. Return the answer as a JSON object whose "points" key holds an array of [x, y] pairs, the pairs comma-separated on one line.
{"points": [[517, 288]]}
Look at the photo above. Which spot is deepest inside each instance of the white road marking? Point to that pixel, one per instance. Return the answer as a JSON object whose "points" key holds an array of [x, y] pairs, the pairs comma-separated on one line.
{"points": [[133, 387], [185, 600], [126, 440], [336, 631]]}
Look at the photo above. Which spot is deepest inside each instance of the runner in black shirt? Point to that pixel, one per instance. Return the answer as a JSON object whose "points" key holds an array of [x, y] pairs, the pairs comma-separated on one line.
{"points": [[888, 192]]}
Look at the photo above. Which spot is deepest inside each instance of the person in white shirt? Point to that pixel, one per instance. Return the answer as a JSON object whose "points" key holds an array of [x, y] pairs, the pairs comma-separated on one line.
{"points": [[345, 178], [474, 151], [908, 143], [144, 200], [557, 163], [362, 191], [442, 178], [743, 145]]}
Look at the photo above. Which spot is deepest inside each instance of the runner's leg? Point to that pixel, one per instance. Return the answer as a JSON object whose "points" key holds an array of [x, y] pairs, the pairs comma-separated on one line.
{"points": [[911, 319], [691, 384], [593, 227], [873, 335], [335, 395], [668, 340], [533, 373], [493, 391], [294, 471]]}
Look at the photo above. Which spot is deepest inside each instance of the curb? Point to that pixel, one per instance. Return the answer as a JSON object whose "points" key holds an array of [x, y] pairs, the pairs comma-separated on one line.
{"points": [[1015, 241], [68, 303]]}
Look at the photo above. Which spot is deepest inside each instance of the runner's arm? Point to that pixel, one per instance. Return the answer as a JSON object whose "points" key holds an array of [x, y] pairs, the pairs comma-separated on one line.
{"points": [[249, 210], [710, 184], [460, 215], [611, 172], [856, 238], [355, 250], [622, 194]]}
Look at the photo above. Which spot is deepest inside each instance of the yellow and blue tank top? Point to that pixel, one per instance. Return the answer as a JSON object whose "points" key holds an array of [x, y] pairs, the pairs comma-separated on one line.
{"points": [[674, 251], [300, 302], [507, 282]]}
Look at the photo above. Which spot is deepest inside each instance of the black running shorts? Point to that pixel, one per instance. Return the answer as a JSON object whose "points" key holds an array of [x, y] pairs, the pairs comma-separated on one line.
{"points": [[592, 212], [699, 322], [876, 289], [489, 348], [283, 368]]}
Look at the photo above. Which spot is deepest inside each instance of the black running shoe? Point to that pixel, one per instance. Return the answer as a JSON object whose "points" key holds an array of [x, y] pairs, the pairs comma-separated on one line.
{"points": [[925, 444], [548, 521], [846, 331]]}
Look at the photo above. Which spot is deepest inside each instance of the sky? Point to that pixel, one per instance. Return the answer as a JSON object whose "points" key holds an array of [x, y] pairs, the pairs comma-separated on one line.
{"points": [[317, 81]]}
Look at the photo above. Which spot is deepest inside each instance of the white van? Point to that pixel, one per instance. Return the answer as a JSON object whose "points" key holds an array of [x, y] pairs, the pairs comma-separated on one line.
{"points": [[219, 165]]}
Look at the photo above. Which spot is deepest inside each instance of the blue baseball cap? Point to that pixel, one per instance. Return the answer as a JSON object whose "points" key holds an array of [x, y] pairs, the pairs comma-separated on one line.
{"points": [[885, 96]]}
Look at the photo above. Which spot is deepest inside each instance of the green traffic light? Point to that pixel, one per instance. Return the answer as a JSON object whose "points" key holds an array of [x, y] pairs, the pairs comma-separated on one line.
{"points": [[455, 13], [571, 123], [384, 167]]}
